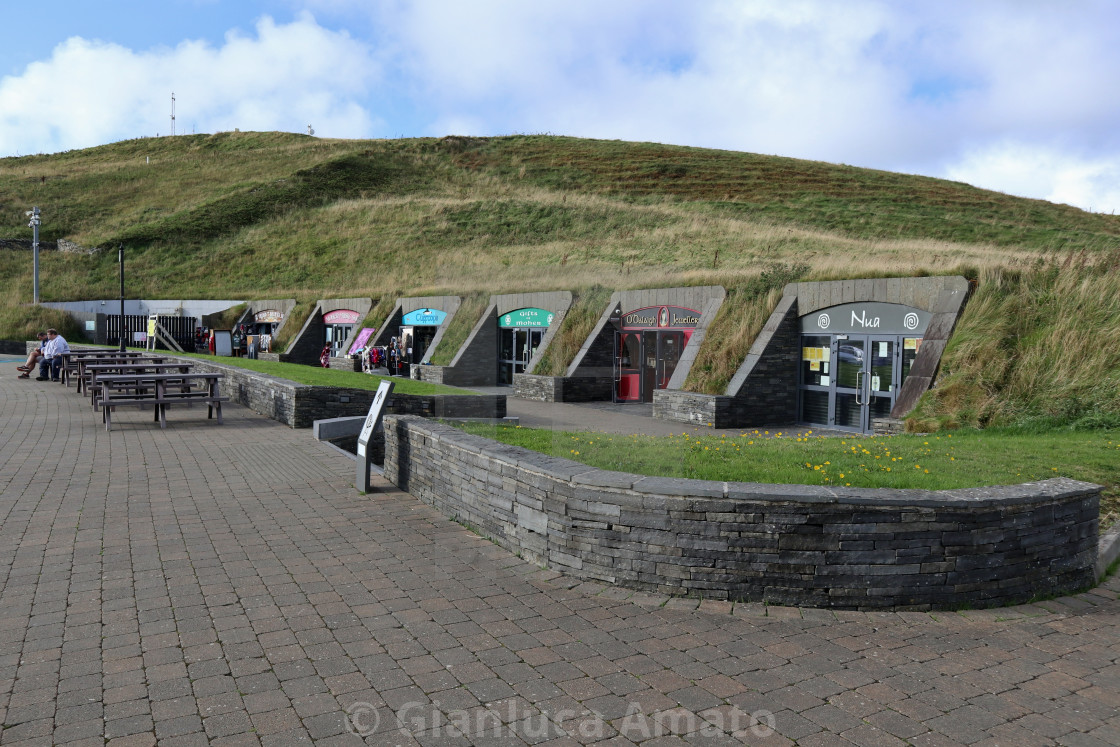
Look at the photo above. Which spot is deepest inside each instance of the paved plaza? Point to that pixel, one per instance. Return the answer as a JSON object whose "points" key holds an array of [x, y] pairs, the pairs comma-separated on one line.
{"points": [[227, 585]]}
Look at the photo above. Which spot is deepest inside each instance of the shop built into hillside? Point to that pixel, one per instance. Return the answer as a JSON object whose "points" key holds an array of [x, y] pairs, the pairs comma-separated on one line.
{"points": [[852, 355]]}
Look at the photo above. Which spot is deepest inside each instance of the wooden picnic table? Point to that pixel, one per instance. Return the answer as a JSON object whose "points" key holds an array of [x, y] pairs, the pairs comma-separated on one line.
{"points": [[95, 372], [142, 389], [72, 361]]}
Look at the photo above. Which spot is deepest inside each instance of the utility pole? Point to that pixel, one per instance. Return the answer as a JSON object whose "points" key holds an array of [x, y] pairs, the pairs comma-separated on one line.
{"points": [[36, 220], [120, 258], [172, 114]]}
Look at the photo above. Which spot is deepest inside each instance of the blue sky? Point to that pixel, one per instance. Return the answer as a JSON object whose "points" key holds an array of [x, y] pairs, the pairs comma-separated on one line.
{"points": [[1013, 95]]}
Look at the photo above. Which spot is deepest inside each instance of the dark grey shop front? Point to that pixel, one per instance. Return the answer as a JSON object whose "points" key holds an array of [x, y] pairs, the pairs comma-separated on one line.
{"points": [[848, 354], [854, 360]]}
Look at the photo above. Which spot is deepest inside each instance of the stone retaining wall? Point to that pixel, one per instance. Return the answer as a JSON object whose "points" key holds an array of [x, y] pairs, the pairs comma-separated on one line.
{"points": [[563, 388], [300, 405], [783, 544]]}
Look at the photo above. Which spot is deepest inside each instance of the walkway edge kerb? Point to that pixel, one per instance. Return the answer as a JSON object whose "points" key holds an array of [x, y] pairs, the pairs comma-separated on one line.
{"points": [[799, 545], [1109, 550]]}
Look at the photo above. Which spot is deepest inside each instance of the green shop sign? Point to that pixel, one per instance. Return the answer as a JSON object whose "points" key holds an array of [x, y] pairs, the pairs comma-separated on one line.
{"points": [[525, 318]]}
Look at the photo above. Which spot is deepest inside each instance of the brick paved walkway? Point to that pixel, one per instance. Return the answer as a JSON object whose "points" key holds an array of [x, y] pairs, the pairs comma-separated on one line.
{"points": [[227, 585]]}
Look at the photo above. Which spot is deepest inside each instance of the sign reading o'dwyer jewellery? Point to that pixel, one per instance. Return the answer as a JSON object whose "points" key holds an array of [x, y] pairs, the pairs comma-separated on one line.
{"points": [[870, 317], [656, 317]]}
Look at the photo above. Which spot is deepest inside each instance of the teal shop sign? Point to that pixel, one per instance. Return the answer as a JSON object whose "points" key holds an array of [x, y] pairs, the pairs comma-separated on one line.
{"points": [[525, 318], [424, 318]]}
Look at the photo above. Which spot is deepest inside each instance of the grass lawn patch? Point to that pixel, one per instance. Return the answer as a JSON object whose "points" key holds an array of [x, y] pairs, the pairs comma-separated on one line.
{"points": [[963, 459], [316, 376]]}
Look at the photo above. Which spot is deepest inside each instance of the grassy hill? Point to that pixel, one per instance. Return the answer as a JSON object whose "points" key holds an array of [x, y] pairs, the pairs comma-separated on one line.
{"points": [[256, 215]]}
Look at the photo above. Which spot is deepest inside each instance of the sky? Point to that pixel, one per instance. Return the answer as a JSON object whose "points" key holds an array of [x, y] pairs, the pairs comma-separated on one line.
{"points": [[1018, 96]]}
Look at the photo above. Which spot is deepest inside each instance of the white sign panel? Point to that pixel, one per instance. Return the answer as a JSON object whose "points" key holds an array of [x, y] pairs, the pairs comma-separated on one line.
{"points": [[375, 410]]}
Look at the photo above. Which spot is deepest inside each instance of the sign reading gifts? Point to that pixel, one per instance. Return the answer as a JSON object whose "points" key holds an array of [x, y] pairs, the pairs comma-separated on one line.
{"points": [[526, 318], [424, 318]]}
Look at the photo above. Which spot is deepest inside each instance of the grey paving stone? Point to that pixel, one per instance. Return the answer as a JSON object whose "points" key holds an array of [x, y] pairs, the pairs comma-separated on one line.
{"points": [[288, 599]]}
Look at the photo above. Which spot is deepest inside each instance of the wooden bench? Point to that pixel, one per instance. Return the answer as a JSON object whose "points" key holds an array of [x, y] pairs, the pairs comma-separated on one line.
{"points": [[139, 389], [94, 372], [71, 361], [88, 367]]}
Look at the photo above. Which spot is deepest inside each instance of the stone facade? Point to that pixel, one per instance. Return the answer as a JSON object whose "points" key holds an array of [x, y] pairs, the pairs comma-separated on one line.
{"points": [[345, 363], [306, 346], [562, 388], [284, 305], [308, 343], [764, 389], [782, 544], [389, 330], [765, 386], [590, 376], [476, 362]]}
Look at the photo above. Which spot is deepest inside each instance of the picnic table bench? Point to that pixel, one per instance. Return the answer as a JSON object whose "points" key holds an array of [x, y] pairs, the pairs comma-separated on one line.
{"points": [[71, 361], [159, 390], [96, 371]]}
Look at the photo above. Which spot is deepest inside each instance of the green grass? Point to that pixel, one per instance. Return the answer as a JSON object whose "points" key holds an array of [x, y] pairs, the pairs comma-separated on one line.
{"points": [[940, 461], [316, 376], [458, 329], [275, 215]]}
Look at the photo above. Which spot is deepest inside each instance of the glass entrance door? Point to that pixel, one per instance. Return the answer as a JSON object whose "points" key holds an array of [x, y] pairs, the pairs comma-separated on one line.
{"points": [[645, 361], [866, 374], [851, 370], [336, 336], [669, 347], [881, 388], [627, 366], [515, 349]]}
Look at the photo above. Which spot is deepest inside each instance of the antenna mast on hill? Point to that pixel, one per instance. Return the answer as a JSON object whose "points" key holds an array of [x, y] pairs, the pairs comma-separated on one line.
{"points": [[173, 113]]}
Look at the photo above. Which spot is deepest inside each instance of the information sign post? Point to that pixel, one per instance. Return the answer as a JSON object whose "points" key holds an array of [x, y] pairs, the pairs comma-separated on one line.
{"points": [[373, 420]]}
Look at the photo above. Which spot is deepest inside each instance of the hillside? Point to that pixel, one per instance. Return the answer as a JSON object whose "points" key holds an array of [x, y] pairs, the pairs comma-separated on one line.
{"points": [[284, 215]]}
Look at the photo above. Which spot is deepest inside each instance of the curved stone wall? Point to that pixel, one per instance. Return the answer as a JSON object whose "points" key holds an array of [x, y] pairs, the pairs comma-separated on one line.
{"points": [[783, 544]]}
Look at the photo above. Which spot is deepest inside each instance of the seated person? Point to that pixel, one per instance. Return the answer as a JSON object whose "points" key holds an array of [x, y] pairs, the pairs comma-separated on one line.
{"points": [[32, 359], [52, 356]]}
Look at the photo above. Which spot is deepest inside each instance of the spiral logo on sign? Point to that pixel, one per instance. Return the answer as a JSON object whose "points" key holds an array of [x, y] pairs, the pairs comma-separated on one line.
{"points": [[823, 321], [910, 321]]}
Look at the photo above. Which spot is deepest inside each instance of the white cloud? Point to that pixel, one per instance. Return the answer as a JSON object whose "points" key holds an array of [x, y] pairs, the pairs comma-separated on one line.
{"points": [[938, 88], [283, 77], [907, 86], [1091, 183]]}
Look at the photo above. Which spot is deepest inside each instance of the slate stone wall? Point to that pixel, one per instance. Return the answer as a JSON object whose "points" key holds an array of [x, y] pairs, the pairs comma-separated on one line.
{"points": [[345, 363], [562, 388], [763, 390], [300, 405], [783, 544], [307, 345]]}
